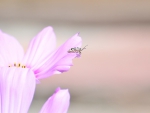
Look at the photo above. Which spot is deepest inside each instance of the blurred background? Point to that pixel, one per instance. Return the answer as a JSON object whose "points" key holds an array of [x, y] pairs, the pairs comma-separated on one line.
{"points": [[113, 74]]}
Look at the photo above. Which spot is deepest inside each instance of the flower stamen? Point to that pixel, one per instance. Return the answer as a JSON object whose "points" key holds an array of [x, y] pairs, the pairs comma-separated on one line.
{"points": [[23, 66], [17, 65]]}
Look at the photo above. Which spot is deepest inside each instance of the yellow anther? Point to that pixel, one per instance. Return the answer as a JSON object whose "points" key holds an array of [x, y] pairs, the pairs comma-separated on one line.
{"points": [[23, 66], [19, 65]]}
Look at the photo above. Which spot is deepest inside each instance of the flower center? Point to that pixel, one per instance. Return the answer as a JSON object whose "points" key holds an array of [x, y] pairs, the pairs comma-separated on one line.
{"points": [[17, 65]]}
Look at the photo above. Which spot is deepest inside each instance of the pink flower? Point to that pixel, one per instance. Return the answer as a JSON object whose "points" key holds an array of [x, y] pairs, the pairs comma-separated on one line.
{"points": [[41, 56], [17, 86]]}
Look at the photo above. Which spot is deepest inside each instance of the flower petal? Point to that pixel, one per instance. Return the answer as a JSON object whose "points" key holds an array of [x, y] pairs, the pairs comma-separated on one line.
{"points": [[57, 103], [40, 47], [10, 50], [17, 87], [60, 61]]}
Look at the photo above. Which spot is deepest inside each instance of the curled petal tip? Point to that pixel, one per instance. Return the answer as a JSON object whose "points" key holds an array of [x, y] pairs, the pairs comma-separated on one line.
{"points": [[48, 28], [58, 103], [61, 90], [57, 72], [57, 89]]}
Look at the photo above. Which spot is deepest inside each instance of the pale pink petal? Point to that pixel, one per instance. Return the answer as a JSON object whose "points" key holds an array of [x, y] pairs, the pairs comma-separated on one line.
{"points": [[57, 103], [10, 50], [40, 47], [17, 87], [60, 61]]}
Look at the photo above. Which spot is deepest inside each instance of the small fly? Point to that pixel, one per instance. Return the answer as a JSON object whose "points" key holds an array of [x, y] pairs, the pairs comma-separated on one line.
{"points": [[76, 50]]}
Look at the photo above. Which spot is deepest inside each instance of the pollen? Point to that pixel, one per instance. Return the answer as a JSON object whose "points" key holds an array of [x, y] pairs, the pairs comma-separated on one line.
{"points": [[17, 65]]}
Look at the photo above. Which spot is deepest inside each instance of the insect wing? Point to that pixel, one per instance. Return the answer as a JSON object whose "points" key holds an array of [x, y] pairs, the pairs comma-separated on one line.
{"points": [[78, 49]]}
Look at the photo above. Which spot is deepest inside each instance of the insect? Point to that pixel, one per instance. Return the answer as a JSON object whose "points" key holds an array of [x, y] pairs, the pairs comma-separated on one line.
{"points": [[76, 50]]}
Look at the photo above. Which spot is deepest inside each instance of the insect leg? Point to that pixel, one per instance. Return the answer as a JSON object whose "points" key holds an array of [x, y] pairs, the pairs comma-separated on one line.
{"points": [[84, 48]]}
